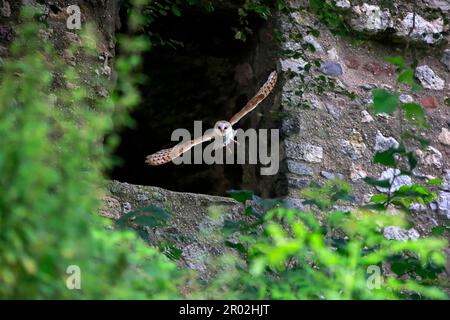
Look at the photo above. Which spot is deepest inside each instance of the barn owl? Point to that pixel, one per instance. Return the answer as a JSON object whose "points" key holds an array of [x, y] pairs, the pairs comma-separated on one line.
{"points": [[223, 133]]}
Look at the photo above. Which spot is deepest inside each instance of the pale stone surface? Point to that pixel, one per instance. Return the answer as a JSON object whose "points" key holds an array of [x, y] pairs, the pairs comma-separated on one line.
{"points": [[306, 152], [295, 65], [406, 98], [299, 168], [443, 203], [5, 8], [354, 147], [397, 233], [371, 18], [444, 136], [126, 207], [343, 4], [294, 203], [332, 175], [289, 96], [333, 55], [312, 153], [396, 183], [383, 143], [428, 78], [332, 69], [446, 184], [443, 5], [415, 206], [366, 117], [334, 111], [357, 172], [430, 157], [429, 32], [313, 41], [315, 102], [297, 182]]}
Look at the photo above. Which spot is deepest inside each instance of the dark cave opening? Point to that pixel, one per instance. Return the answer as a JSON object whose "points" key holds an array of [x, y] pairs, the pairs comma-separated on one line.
{"points": [[195, 81]]}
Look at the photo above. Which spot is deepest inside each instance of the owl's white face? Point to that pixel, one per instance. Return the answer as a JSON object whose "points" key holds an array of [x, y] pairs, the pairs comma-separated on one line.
{"points": [[223, 128]]}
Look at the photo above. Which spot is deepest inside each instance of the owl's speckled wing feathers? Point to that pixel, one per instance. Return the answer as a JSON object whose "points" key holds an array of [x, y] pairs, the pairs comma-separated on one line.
{"points": [[167, 155], [259, 96]]}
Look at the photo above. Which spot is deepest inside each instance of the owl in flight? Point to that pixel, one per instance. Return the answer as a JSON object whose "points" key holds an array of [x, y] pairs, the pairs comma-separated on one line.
{"points": [[223, 131]]}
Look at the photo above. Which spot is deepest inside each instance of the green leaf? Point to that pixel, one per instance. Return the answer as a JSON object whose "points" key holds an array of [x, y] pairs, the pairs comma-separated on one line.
{"points": [[407, 76], [314, 32], [435, 182], [401, 266], [336, 217], [240, 195], [374, 206], [238, 246], [396, 60], [384, 101], [239, 35], [150, 216], [377, 183], [414, 113], [409, 135], [170, 250], [412, 161], [147, 221], [386, 158], [266, 204], [379, 198], [250, 211], [230, 226], [416, 87], [438, 231], [176, 11]]}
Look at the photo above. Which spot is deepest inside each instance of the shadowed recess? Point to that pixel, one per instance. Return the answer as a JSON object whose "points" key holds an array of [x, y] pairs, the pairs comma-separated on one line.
{"points": [[188, 82]]}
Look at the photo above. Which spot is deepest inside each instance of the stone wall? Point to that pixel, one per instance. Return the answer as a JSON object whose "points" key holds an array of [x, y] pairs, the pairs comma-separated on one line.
{"points": [[330, 130]]}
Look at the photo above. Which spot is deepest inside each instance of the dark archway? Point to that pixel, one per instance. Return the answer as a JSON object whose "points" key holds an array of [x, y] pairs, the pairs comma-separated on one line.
{"points": [[195, 81]]}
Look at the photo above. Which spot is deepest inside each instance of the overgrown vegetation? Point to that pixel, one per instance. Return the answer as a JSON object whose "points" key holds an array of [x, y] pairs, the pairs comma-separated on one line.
{"points": [[51, 164], [291, 254], [244, 9], [400, 159]]}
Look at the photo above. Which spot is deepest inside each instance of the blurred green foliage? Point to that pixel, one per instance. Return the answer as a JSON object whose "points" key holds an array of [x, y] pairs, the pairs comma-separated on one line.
{"points": [[51, 163], [292, 254]]}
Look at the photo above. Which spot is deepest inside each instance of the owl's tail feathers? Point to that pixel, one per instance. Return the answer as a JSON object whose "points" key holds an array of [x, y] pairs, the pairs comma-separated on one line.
{"points": [[160, 157]]}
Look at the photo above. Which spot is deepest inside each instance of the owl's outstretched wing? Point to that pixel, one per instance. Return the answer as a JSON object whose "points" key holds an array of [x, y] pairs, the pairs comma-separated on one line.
{"points": [[167, 155], [260, 96]]}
